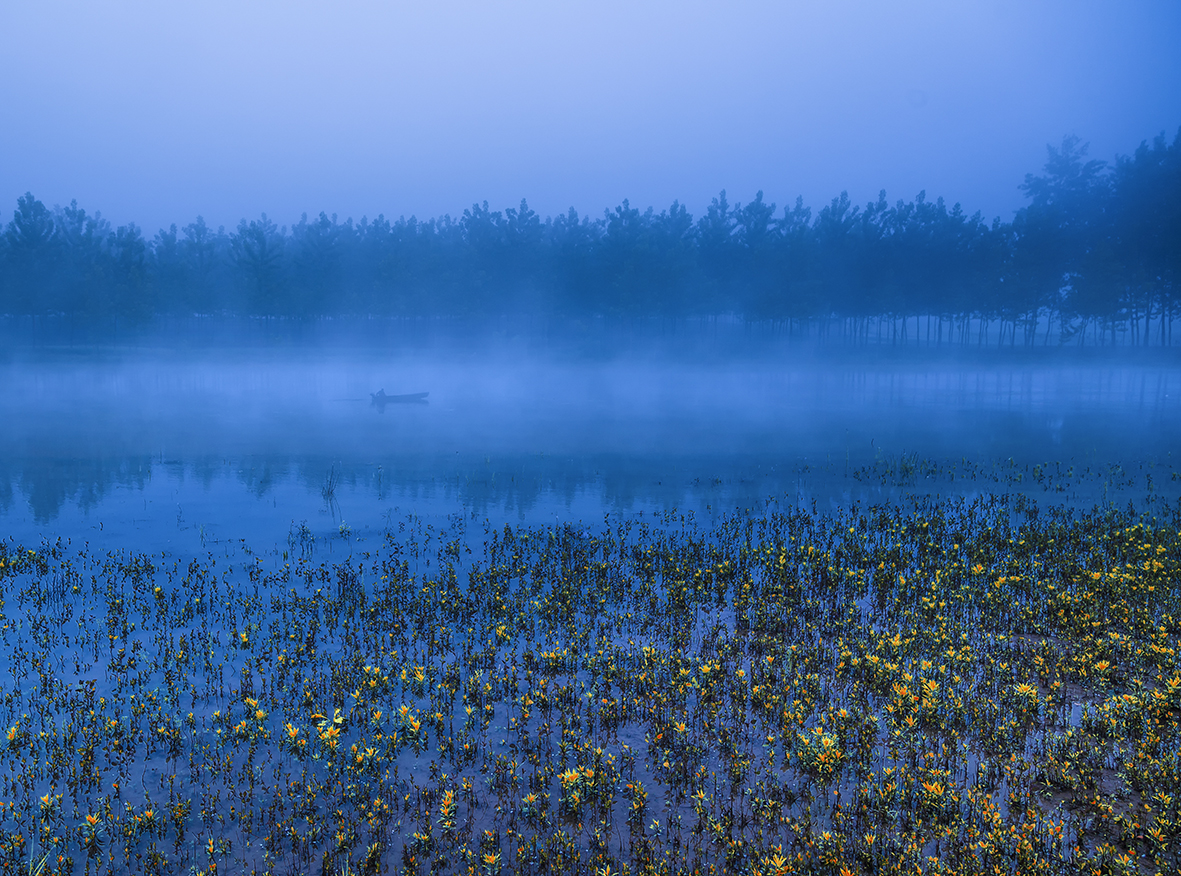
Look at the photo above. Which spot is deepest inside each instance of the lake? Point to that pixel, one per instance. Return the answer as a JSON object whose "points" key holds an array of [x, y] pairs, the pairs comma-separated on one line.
{"points": [[286, 629], [174, 450]]}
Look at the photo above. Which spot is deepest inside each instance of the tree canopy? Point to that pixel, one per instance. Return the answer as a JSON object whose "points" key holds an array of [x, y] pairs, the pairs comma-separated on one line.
{"points": [[1096, 248]]}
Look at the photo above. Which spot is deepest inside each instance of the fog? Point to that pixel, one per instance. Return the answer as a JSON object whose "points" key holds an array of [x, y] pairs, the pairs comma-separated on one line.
{"points": [[774, 327], [589, 436], [159, 113], [168, 449]]}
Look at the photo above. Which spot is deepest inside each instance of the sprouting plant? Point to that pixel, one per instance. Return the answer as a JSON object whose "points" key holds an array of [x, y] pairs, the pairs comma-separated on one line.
{"points": [[328, 488], [916, 666]]}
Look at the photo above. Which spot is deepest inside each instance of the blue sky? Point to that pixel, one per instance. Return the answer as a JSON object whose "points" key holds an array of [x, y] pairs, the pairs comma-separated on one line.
{"points": [[157, 112]]}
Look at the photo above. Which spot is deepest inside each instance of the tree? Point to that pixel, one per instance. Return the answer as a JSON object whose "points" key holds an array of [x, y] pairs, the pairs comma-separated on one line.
{"points": [[132, 294], [833, 233], [84, 272], [1052, 237], [756, 237], [716, 252], [257, 249], [317, 250], [573, 270], [30, 247], [1145, 240]]}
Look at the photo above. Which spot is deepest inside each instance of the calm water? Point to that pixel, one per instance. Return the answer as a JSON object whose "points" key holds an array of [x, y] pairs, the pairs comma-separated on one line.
{"points": [[174, 451]]}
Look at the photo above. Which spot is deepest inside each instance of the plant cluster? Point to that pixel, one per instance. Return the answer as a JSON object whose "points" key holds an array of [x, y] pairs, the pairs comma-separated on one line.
{"points": [[954, 687]]}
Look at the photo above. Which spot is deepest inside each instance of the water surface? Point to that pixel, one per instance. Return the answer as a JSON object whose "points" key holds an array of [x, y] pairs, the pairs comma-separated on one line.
{"points": [[164, 450]]}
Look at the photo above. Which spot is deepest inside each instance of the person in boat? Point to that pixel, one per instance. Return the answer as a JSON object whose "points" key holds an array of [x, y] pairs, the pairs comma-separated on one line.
{"points": [[381, 399]]}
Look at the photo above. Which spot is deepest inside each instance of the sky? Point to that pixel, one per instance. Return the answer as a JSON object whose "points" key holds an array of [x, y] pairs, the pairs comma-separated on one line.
{"points": [[155, 113]]}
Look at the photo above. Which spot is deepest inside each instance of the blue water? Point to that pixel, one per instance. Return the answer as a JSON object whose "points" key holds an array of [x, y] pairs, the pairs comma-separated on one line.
{"points": [[161, 450]]}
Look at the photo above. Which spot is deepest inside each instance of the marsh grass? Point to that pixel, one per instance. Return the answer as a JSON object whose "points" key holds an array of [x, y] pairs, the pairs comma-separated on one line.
{"points": [[328, 489], [969, 687]]}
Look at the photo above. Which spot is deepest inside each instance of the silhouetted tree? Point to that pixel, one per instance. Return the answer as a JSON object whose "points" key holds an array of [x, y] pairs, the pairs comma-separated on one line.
{"points": [[1142, 250], [257, 249], [1052, 237], [317, 250], [31, 255], [1096, 252]]}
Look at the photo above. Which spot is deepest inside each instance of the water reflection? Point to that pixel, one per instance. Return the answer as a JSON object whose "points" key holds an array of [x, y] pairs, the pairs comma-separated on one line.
{"points": [[240, 446]]}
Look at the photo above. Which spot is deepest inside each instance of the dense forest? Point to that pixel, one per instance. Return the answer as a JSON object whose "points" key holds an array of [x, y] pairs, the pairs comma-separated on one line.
{"points": [[1093, 257]]}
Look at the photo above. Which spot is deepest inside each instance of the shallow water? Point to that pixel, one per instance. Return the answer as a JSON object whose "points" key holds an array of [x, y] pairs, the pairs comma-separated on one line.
{"points": [[275, 499], [161, 450]]}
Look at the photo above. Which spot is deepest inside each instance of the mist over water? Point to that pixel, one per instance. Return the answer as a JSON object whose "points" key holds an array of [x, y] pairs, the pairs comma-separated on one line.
{"points": [[167, 450], [590, 438]]}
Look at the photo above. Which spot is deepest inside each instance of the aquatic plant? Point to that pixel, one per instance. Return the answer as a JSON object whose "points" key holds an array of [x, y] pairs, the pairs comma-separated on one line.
{"points": [[951, 686], [328, 489]]}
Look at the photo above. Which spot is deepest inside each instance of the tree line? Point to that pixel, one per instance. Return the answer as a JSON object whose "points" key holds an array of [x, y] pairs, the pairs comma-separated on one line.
{"points": [[1094, 255]]}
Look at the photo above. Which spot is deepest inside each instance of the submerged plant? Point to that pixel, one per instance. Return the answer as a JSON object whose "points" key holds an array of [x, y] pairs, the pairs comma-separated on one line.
{"points": [[858, 691]]}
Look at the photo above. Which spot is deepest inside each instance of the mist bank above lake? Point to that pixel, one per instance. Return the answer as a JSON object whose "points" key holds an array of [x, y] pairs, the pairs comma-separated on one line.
{"points": [[877, 342], [174, 438]]}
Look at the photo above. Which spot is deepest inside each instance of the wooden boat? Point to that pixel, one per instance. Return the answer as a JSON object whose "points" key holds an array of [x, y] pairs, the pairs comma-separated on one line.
{"points": [[381, 399]]}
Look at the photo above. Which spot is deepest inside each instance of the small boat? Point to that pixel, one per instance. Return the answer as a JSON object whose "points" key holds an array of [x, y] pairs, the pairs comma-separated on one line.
{"points": [[381, 399]]}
